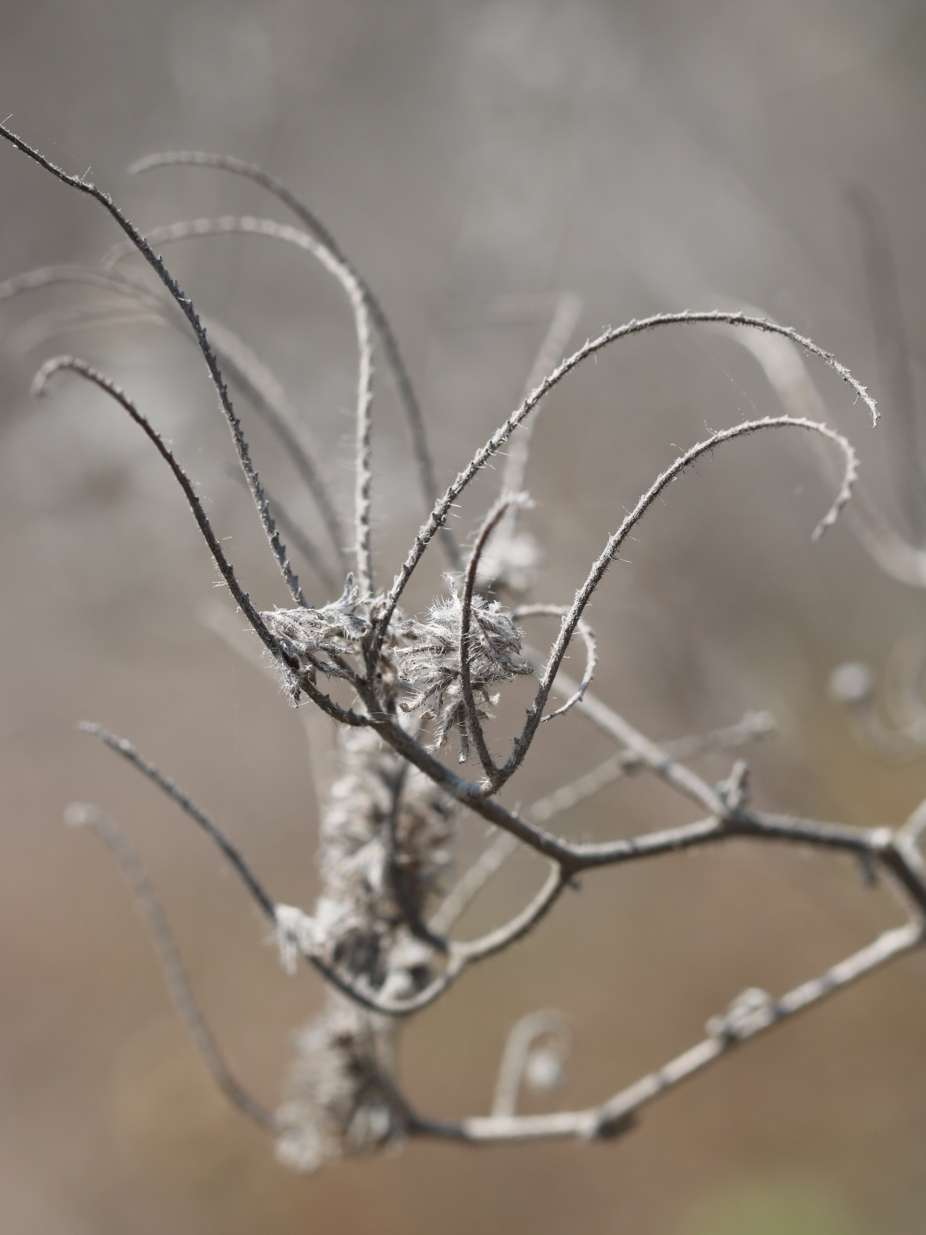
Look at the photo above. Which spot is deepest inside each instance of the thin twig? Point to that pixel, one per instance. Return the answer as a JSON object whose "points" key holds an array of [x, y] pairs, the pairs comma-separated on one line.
{"points": [[247, 225], [753, 725], [244, 368], [80, 814], [186, 307], [391, 351], [616, 1114], [562, 324], [473, 723], [787, 374], [297, 537], [497, 440], [82, 369], [128, 752], [612, 549]]}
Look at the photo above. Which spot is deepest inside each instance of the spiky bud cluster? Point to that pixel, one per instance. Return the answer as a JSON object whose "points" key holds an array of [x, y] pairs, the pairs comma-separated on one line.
{"points": [[428, 660], [320, 639]]}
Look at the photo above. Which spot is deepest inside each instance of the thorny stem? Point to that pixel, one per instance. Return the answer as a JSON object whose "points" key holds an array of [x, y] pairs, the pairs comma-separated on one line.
{"points": [[82, 369], [241, 364], [727, 817], [297, 537], [612, 548], [247, 225], [473, 723], [215, 373], [497, 440], [391, 350]]}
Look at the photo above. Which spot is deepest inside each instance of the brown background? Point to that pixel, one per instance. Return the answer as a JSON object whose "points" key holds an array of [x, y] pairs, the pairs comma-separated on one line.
{"points": [[646, 156]]}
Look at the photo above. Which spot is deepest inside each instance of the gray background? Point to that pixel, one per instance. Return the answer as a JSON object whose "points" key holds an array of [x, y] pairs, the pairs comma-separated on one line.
{"points": [[474, 159]]}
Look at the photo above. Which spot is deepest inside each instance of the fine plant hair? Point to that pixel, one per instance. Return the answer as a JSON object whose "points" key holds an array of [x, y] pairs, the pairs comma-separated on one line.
{"points": [[412, 697]]}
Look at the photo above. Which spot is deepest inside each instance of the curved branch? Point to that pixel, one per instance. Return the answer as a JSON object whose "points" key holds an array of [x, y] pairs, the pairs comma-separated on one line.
{"points": [[79, 814], [497, 440], [391, 350], [521, 924], [128, 752], [247, 225], [82, 369], [474, 724], [591, 650], [754, 725], [186, 307], [612, 548], [244, 369], [617, 1114]]}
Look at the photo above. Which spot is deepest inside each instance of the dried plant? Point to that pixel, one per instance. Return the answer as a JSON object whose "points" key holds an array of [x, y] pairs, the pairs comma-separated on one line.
{"points": [[898, 551], [399, 687]]}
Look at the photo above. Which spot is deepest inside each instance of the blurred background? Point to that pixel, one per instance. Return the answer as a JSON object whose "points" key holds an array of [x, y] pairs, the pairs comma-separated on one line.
{"points": [[476, 160]]}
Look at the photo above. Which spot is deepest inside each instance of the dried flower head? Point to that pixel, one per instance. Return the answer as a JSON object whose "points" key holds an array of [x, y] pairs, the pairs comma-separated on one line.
{"points": [[429, 662], [323, 639]]}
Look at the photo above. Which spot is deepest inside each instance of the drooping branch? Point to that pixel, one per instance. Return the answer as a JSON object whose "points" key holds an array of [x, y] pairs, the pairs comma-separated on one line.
{"points": [[442, 508], [185, 305], [247, 225], [82, 369], [391, 350], [80, 814]]}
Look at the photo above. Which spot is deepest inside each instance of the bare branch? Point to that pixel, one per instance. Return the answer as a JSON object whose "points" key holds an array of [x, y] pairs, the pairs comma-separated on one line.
{"points": [[242, 365], [391, 351], [753, 725], [521, 924], [473, 722], [271, 403], [297, 537], [247, 225], [787, 374], [497, 440], [79, 814], [189, 807], [612, 548], [84, 370], [616, 1115], [186, 307]]}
